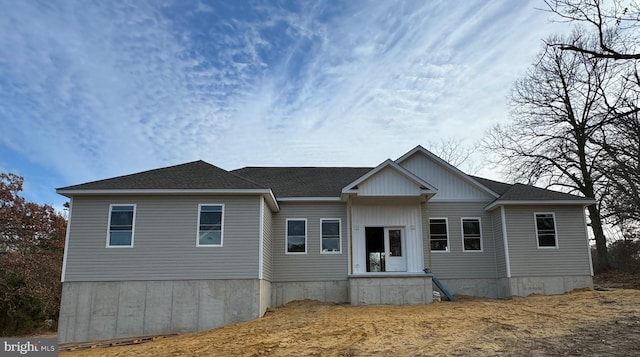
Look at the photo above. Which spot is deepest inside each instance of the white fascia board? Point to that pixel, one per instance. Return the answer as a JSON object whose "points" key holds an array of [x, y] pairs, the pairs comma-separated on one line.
{"points": [[459, 200], [401, 170], [271, 201], [498, 203], [309, 199], [447, 165], [70, 193]]}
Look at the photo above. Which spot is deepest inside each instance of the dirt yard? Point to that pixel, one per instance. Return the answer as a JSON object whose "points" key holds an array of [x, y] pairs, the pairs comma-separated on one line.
{"points": [[581, 323]]}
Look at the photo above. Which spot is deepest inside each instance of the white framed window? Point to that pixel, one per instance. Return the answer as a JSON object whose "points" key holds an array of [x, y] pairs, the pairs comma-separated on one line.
{"points": [[439, 234], [210, 225], [546, 236], [471, 234], [296, 236], [122, 222], [330, 236]]}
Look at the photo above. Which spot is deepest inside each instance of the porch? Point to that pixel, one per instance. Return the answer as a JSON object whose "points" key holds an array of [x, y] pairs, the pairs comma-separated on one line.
{"points": [[391, 288]]}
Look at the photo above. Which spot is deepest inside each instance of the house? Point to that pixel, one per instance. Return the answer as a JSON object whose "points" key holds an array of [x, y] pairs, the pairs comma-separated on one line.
{"points": [[193, 247]]}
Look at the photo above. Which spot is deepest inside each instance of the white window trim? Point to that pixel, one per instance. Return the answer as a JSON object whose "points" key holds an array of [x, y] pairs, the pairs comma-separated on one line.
{"points": [[339, 234], [133, 225], [221, 226], [446, 222], [462, 234], [286, 235], [555, 229]]}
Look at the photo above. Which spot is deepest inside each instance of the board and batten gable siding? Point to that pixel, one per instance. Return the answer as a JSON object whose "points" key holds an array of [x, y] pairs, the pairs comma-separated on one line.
{"points": [[267, 233], [457, 264], [388, 182], [501, 264], [312, 266], [450, 186], [570, 258], [165, 240]]}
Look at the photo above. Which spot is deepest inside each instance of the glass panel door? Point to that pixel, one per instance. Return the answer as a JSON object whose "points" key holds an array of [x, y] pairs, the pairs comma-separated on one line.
{"points": [[394, 249]]}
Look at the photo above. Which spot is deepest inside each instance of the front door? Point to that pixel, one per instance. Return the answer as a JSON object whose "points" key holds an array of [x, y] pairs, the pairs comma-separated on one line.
{"points": [[385, 249], [394, 249]]}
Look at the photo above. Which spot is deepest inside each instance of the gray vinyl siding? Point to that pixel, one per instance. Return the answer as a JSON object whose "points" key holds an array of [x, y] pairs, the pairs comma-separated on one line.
{"points": [[456, 263], [311, 266], [496, 221], [424, 217], [164, 240], [571, 256], [267, 233]]}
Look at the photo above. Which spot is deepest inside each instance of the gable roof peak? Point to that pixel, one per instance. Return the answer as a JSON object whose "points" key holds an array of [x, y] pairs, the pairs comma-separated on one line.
{"points": [[448, 166], [388, 163]]}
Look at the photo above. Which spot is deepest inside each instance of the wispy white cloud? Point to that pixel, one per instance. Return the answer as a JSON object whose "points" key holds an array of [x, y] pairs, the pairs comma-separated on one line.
{"points": [[92, 90]]}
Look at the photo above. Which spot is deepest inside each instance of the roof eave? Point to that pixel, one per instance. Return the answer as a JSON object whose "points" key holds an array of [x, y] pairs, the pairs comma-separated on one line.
{"points": [[309, 199], [271, 201], [578, 202], [267, 193], [162, 191]]}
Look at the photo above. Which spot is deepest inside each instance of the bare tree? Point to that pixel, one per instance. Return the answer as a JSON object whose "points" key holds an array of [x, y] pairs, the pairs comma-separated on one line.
{"points": [[456, 153], [557, 110], [615, 23], [621, 143]]}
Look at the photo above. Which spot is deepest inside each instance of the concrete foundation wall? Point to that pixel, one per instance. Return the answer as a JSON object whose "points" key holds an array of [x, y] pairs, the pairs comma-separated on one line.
{"points": [[397, 290], [524, 286], [488, 288], [106, 310], [330, 291], [504, 288], [518, 286], [265, 296]]}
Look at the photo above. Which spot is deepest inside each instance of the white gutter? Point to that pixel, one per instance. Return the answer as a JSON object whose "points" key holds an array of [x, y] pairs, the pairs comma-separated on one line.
{"points": [[309, 199], [78, 192], [581, 202]]}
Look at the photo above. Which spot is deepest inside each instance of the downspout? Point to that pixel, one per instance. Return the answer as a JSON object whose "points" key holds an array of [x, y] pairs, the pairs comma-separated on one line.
{"points": [[426, 230], [66, 242], [261, 240], [505, 241], [586, 233], [350, 217]]}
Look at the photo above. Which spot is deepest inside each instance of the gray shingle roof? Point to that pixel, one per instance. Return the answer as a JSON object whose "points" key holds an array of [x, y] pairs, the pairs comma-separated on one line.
{"points": [[285, 181], [192, 175], [303, 181], [520, 192], [495, 186]]}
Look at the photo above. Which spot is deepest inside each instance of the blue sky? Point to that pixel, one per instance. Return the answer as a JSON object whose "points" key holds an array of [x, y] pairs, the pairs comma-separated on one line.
{"points": [[96, 89]]}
